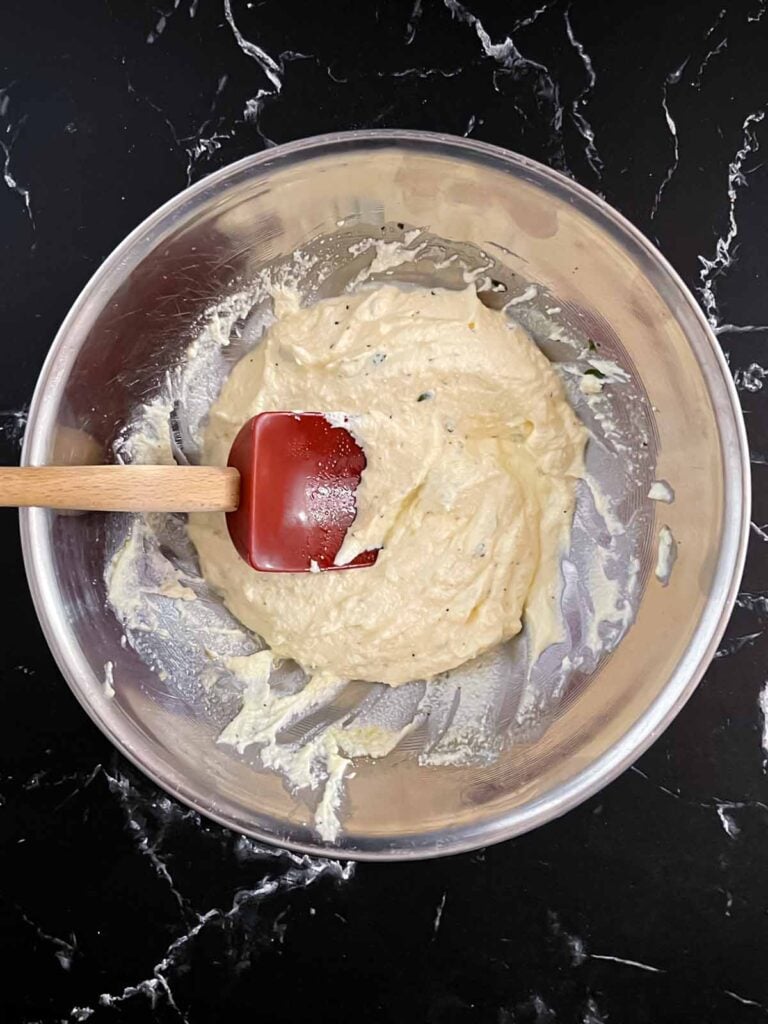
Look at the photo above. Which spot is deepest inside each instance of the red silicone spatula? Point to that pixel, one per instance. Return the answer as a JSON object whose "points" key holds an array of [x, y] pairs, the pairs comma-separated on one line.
{"points": [[288, 491], [298, 477]]}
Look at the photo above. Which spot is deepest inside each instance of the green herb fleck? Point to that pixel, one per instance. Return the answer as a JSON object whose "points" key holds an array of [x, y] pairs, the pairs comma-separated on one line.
{"points": [[594, 372], [591, 345]]}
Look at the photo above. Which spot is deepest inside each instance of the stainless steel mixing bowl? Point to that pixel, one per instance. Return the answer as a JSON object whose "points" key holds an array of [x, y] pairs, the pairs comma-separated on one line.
{"points": [[135, 317]]}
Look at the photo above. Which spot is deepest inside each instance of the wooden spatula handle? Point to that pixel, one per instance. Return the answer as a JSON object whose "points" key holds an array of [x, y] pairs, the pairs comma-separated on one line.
{"points": [[122, 488]]}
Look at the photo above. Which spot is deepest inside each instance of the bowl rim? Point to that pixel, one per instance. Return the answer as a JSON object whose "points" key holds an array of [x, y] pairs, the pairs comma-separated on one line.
{"points": [[643, 731]]}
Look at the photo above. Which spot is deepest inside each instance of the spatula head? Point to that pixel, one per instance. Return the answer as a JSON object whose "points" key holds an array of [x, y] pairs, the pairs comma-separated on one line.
{"points": [[298, 477]]}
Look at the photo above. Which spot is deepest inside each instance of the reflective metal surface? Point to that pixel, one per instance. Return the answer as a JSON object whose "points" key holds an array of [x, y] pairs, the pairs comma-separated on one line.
{"points": [[137, 315]]}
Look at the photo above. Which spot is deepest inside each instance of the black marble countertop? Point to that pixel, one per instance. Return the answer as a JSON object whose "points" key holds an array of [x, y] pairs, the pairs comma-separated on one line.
{"points": [[649, 903]]}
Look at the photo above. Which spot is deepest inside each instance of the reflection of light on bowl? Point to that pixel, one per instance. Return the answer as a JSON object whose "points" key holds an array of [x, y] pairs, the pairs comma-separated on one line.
{"points": [[134, 321]]}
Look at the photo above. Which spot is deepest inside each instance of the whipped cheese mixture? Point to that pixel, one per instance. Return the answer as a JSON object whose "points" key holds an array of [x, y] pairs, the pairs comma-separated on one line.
{"points": [[474, 492], [473, 457]]}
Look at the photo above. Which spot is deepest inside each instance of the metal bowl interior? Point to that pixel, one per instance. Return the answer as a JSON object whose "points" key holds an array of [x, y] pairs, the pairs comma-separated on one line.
{"points": [[133, 321]]}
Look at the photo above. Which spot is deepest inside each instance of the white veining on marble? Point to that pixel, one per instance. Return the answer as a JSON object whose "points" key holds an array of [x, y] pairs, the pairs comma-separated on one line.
{"points": [[592, 1013], [673, 78], [743, 999], [9, 133], [735, 644], [300, 873], [13, 423], [202, 145], [759, 11], [268, 65], [64, 950], [509, 59], [753, 602], [413, 22], [718, 48], [273, 68], [741, 328], [724, 254], [151, 103], [576, 947], [762, 703], [136, 822], [728, 901], [534, 16], [204, 141], [162, 21], [750, 379], [293, 878], [583, 126], [407, 73], [533, 1009], [730, 827], [42, 779], [574, 944], [208, 137], [761, 531], [254, 108], [719, 17], [439, 914], [696, 83], [675, 794], [627, 963], [723, 808], [505, 53]]}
